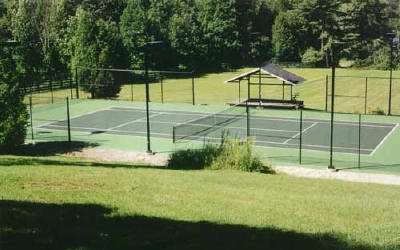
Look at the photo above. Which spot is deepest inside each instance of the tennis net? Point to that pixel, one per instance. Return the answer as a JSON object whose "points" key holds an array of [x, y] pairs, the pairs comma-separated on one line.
{"points": [[200, 127]]}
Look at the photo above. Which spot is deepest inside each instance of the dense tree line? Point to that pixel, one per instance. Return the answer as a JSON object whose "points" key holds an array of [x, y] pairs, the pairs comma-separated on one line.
{"points": [[200, 34]]}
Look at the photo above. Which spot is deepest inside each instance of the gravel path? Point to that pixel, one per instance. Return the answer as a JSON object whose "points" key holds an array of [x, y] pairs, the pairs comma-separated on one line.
{"points": [[385, 179], [107, 155]]}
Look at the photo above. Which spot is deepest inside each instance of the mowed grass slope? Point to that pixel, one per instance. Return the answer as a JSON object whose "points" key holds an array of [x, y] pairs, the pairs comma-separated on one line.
{"points": [[66, 203], [211, 89]]}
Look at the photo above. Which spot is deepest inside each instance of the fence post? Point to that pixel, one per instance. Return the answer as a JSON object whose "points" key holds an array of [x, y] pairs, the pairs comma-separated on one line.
{"points": [[71, 87], [301, 137], [31, 117], [247, 107], [162, 88], [76, 83], [359, 140], [193, 93], [366, 96], [326, 92], [131, 92], [68, 121], [239, 91], [51, 90]]}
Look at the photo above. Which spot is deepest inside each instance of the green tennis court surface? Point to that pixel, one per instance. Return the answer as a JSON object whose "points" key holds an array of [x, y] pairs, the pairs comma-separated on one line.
{"points": [[268, 131]]}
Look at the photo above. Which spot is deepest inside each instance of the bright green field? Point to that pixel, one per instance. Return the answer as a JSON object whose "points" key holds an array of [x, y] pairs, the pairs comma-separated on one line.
{"points": [[60, 203], [211, 89]]}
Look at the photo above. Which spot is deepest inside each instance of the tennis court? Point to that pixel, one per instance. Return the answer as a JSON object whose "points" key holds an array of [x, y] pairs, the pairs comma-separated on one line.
{"points": [[268, 131]]}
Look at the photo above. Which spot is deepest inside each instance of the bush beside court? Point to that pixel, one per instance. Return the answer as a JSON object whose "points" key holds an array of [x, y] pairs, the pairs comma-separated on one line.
{"points": [[232, 153]]}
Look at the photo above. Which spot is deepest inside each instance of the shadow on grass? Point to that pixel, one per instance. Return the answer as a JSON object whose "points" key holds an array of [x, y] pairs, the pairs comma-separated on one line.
{"points": [[49, 148], [26, 225], [34, 161]]}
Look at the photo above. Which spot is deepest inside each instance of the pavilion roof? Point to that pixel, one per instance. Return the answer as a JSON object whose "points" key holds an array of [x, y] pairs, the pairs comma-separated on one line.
{"points": [[273, 71]]}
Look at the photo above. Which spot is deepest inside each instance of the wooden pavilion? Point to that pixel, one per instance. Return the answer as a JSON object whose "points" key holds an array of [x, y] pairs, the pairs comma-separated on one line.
{"points": [[268, 71]]}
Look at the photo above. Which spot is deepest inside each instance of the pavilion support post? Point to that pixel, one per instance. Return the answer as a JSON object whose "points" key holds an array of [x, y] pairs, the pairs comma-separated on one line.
{"points": [[283, 91], [291, 92]]}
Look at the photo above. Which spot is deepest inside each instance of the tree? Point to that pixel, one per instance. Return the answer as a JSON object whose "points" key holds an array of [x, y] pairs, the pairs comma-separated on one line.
{"points": [[98, 45], [218, 23], [135, 29], [290, 36], [361, 23], [185, 36], [144, 21], [321, 19], [13, 115]]}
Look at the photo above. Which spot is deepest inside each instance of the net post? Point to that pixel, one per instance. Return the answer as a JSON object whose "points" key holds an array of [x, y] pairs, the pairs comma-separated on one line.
{"points": [[76, 83], [68, 121], [162, 88], [366, 95], [326, 92], [173, 135], [283, 91], [359, 140], [193, 93], [301, 137], [31, 117]]}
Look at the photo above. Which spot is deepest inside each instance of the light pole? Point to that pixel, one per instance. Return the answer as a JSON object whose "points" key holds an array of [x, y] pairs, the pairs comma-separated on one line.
{"points": [[392, 40], [146, 70], [335, 46]]}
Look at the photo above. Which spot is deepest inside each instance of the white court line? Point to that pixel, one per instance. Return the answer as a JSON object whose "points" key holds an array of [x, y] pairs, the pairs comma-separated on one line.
{"points": [[270, 118], [106, 130], [216, 126], [301, 132], [384, 139]]}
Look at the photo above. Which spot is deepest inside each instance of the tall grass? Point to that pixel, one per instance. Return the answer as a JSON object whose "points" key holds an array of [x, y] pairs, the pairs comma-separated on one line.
{"points": [[231, 153]]}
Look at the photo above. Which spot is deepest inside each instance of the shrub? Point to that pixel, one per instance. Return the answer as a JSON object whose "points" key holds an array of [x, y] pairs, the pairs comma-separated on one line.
{"points": [[313, 58], [232, 153], [193, 158]]}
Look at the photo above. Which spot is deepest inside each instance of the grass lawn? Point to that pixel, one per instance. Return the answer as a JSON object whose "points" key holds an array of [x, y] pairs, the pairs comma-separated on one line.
{"points": [[66, 203], [211, 89]]}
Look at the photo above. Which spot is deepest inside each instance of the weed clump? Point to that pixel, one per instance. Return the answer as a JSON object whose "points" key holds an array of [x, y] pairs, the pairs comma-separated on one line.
{"points": [[231, 153]]}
